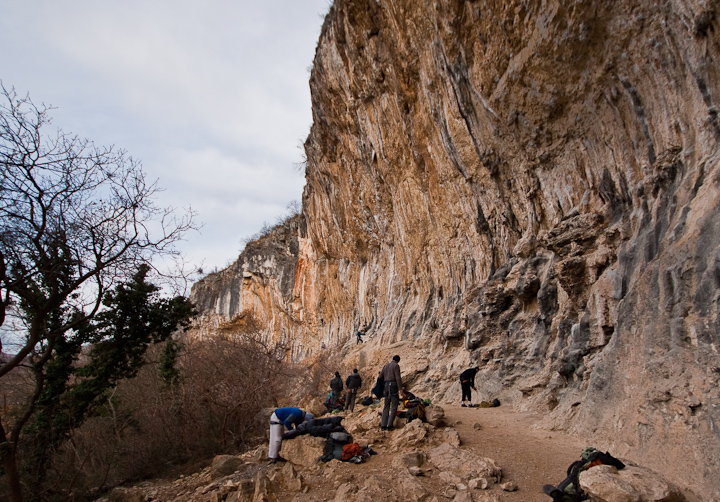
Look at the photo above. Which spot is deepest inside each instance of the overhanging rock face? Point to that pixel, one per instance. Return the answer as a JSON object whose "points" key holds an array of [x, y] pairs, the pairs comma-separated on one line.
{"points": [[535, 183]]}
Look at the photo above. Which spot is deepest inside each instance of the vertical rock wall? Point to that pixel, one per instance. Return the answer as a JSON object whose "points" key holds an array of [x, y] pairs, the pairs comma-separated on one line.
{"points": [[535, 183], [264, 291], [540, 181]]}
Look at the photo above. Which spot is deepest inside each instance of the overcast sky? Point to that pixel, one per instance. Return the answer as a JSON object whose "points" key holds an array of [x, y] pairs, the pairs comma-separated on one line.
{"points": [[212, 96]]}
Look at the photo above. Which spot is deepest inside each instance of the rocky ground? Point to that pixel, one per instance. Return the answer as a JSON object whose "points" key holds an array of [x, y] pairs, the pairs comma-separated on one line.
{"points": [[471, 455]]}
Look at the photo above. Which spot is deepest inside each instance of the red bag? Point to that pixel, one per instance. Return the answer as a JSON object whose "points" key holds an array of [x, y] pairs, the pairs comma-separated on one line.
{"points": [[351, 450]]}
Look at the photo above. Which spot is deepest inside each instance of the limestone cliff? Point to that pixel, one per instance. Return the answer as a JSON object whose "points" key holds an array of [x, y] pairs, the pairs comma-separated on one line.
{"points": [[528, 185], [263, 291]]}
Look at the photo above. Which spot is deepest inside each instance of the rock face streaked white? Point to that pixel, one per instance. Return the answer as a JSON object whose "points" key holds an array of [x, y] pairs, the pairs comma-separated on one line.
{"points": [[532, 186]]}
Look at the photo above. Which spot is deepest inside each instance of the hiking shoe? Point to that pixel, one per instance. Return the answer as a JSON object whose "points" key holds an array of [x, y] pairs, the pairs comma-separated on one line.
{"points": [[281, 459], [464, 405]]}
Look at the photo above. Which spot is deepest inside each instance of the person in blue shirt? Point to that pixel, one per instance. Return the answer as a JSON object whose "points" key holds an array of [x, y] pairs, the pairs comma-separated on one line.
{"points": [[281, 419]]}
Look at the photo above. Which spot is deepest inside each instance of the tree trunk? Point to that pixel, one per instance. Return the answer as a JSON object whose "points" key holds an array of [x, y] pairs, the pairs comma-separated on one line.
{"points": [[7, 454]]}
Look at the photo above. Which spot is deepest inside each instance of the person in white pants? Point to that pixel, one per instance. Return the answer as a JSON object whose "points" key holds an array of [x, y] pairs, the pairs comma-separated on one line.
{"points": [[281, 419]]}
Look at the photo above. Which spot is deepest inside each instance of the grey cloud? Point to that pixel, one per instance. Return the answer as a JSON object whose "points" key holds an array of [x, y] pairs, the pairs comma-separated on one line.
{"points": [[213, 96]]}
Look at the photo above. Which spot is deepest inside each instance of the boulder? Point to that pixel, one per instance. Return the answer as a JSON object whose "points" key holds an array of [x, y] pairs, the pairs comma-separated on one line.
{"points": [[244, 493], [367, 420], [605, 483], [287, 478], [409, 488], [450, 479], [349, 492], [412, 434], [447, 457], [410, 459], [345, 492], [259, 454], [463, 497], [447, 435], [478, 484], [303, 450], [509, 486], [262, 487], [435, 415], [224, 465]]}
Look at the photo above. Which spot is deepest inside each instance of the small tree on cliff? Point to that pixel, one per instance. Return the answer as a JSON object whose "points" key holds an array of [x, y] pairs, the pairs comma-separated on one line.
{"points": [[74, 220]]}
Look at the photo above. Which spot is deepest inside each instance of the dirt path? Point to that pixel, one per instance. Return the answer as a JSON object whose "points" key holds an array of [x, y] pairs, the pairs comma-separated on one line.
{"points": [[529, 457]]}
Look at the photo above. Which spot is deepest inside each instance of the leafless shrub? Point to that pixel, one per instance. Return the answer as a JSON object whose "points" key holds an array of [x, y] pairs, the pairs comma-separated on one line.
{"points": [[313, 380], [148, 425]]}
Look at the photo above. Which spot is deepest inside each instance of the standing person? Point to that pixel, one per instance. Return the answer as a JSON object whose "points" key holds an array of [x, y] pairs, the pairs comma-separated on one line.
{"points": [[353, 383], [467, 382], [336, 386], [393, 383], [283, 418]]}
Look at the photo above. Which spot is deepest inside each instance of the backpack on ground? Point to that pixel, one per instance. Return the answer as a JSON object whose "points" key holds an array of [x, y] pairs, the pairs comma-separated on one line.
{"points": [[415, 409], [333, 450], [351, 450], [342, 437], [366, 401], [569, 489]]}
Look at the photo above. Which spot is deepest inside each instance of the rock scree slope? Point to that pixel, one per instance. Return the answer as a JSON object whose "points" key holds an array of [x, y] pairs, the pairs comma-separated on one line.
{"points": [[419, 462], [530, 186]]}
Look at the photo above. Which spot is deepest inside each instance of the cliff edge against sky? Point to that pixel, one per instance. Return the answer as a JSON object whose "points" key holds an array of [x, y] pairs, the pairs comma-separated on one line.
{"points": [[528, 185]]}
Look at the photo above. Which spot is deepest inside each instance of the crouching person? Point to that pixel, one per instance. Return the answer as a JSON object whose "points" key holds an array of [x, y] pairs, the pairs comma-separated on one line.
{"points": [[281, 419]]}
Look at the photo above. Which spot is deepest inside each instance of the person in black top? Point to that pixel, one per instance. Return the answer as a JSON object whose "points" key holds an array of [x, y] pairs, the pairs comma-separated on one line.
{"points": [[353, 383], [336, 386], [467, 382]]}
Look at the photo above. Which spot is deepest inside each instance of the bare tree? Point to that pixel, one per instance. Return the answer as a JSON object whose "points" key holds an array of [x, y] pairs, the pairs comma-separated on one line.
{"points": [[74, 220]]}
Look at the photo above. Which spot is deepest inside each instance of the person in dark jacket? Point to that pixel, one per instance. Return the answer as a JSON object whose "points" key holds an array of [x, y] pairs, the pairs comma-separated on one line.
{"points": [[353, 383], [379, 388], [393, 383], [467, 382], [336, 386]]}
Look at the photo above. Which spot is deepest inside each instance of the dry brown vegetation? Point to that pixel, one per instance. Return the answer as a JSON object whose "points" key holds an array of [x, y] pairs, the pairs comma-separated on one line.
{"points": [[149, 425]]}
